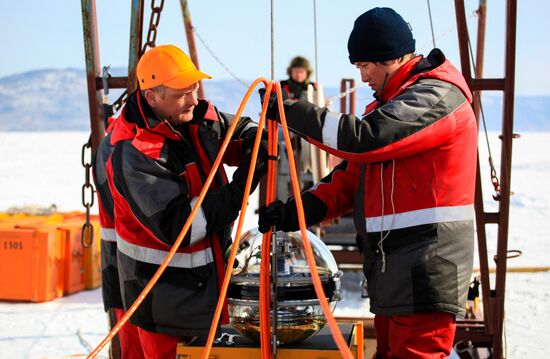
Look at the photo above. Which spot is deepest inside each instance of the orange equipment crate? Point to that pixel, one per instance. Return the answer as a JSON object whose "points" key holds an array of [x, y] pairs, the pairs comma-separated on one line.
{"points": [[31, 264], [74, 265], [84, 264], [78, 268], [82, 267], [92, 261]]}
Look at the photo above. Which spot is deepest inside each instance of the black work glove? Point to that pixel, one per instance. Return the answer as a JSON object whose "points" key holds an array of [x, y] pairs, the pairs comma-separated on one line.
{"points": [[281, 215], [272, 108]]}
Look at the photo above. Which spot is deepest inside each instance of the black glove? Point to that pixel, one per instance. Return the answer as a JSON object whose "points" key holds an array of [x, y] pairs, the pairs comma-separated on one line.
{"points": [[281, 215], [272, 108], [284, 216]]}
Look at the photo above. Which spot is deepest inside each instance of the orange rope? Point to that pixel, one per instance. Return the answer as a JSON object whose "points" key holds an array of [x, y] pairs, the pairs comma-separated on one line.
{"points": [[235, 246], [335, 330], [187, 224], [265, 280]]}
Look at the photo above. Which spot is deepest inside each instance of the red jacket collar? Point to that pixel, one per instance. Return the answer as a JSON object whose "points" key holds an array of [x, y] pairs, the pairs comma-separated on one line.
{"points": [[444, 72], [121, 130], [203, 111], [403, 79], [398, 79]]}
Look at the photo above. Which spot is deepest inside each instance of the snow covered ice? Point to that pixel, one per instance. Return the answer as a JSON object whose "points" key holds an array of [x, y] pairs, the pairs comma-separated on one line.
{"points": [[44, 169]]}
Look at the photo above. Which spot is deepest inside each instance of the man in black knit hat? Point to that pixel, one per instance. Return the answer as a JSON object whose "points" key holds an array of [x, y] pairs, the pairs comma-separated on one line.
{"points": [[408, 175]]}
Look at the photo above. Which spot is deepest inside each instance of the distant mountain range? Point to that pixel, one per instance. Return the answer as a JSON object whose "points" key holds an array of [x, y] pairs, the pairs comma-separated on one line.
{"points": [[56, 100]]}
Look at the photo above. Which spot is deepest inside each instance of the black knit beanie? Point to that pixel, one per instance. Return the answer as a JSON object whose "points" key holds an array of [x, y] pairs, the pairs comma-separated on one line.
{"points": [[380, 34]]}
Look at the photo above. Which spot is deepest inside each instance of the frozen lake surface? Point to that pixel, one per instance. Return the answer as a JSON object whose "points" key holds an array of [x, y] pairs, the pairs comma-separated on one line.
{"points": [[44, 169]]}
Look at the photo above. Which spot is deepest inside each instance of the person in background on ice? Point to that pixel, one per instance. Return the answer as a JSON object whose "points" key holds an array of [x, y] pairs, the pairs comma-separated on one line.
{"points": [[296, 87], [155, 178], [408, 174], [299, 73], [117, 130]]}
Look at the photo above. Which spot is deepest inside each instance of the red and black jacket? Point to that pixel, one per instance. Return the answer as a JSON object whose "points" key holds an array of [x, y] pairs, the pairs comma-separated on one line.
{"points": [[155, 178], [118, 130], [408, 174]]}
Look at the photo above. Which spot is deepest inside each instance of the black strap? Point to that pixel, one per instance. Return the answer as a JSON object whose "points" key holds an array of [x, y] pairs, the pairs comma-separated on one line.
{"points": [[108, 111]]}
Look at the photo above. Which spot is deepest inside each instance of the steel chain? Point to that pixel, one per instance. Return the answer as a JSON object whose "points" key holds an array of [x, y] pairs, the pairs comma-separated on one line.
{"points": [[153, 25], [87, 232]]}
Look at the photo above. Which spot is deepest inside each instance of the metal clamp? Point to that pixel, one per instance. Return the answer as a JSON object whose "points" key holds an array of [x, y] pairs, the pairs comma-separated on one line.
{"points": [[230, 342]]}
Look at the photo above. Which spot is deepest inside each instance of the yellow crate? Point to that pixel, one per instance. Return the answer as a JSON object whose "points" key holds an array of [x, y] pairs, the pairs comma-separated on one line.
{"points": [[320, 346]]}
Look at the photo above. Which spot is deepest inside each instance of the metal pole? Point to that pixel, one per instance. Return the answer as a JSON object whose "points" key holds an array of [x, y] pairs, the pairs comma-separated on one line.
{"points": [[480, 210], [191, 39], [136, 37], [345, 86], [482, 218], [273, 238], [482, 252], [263, 181], [95, 104], [505, 171], [480, 50], [93, 71], [431, 22], [315, 41], [343, 100], [463, 41], [272, 40]]}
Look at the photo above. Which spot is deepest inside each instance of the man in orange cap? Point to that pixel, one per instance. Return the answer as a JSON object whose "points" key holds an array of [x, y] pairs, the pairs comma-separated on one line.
{"points": [[155, 177]]}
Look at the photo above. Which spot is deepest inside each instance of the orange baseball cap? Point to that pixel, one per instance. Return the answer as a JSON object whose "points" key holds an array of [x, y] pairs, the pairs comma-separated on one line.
{"points": [[169, 66]]}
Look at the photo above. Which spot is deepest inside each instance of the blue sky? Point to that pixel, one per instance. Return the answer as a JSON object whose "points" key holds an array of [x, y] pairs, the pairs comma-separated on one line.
{"points": [[48, 34]]}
